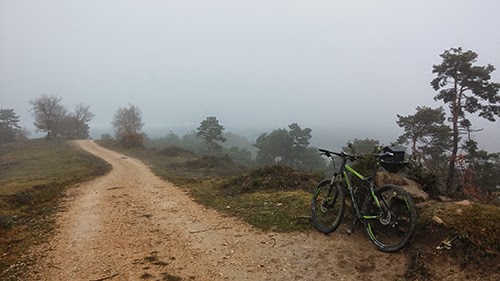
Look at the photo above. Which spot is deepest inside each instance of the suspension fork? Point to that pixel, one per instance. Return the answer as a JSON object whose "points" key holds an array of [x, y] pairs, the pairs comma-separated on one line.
{"points": [[356, 211], [332, 183]]}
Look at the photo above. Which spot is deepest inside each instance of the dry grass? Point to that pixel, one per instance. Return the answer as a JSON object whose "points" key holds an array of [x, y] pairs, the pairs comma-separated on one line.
{"points": [[477, 223], [33, 175]]}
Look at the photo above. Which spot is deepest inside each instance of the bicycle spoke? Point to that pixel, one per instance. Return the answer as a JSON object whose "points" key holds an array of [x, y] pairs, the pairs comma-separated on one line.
{"points": [[396, 218], [327, 207]]}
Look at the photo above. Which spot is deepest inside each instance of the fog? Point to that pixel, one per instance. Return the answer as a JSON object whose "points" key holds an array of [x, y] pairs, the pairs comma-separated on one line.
{"points": [[342, 68]]}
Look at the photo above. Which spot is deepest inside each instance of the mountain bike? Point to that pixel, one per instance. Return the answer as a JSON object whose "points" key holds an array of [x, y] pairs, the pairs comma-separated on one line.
{"points": [[388, 212]]}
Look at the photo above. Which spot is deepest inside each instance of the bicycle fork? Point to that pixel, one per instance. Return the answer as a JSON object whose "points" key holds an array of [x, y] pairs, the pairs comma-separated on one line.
{"points": [[356, 212]]}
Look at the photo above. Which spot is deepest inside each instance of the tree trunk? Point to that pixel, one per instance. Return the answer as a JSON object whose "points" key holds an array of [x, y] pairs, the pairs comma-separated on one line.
{"points": [[455, 111], [451, 170]]}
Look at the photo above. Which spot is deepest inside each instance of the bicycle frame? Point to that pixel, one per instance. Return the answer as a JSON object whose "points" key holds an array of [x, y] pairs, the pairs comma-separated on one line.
{"points": [[343, 172]]}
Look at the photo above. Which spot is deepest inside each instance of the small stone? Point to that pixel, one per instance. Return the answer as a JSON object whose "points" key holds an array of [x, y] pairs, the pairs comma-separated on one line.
{"points": [[464, 203], [437, 219], [443, 198]]}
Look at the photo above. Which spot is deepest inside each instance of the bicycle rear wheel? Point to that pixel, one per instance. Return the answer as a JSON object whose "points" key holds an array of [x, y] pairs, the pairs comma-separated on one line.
{"points": [[391, 225], [327, 206]]}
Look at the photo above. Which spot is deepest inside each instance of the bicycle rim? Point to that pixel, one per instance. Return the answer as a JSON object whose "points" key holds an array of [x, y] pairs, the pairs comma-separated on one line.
{"points": [[327, 207], [390, 229]]}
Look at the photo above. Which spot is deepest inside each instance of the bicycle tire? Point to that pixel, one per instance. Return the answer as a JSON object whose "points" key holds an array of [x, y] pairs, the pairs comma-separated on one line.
{"points": [[393, 231], [327, 206]]}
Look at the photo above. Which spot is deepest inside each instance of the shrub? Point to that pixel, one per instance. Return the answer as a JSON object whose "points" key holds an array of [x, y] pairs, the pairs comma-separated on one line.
{"points": [[175, 151], [132, 140], [431, 180], [272, 178]]}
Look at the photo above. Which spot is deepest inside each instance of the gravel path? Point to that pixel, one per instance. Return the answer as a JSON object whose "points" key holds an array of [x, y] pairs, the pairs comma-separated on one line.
{"points": [[131, 225]]}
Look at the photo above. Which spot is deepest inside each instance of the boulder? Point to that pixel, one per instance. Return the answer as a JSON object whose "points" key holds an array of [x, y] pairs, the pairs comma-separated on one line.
{"points": [[412, 187]]}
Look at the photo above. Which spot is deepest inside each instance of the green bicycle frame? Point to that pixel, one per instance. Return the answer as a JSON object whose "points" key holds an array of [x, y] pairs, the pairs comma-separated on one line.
{"points": [[349, 169]]}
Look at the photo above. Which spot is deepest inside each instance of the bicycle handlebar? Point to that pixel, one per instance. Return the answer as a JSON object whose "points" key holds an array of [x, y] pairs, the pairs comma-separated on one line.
{"points": [[344, 155]]}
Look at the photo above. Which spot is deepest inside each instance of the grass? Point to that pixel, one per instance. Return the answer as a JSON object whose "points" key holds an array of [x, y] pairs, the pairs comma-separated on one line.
{"points": [[180, 166], [477, 223], [473, 234], [274, 197], [276, 210], [33, 175], [278, 198], [40, 162]]}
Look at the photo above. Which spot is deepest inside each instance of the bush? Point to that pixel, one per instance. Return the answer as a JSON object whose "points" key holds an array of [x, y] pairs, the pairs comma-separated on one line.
{"points": [[175, 151], [271, 178], [106, 137], [431, 180], [132, 140]]}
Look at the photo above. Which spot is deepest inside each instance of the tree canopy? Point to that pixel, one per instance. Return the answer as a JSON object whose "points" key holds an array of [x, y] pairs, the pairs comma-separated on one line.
{"points": [[361, 146], [288, 147], [127, 121], [47, 112], [81, 117], [211, 131], [9, 128], [53, 117], [426, 132], [465, 88]]}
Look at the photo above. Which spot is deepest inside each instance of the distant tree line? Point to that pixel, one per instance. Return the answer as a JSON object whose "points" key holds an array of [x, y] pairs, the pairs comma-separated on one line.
{"points": [[50, 116], [444, 154]]}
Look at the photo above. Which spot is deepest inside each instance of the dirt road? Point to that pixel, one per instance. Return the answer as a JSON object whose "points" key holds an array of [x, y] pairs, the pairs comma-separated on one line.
{"points": [[131, 225]]}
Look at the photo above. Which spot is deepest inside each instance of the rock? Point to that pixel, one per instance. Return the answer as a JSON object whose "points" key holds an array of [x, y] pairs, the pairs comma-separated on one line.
{"points": [[437, 219], [464, 203], [443, 198], [382, 178], [412, 187], [415, 190]]}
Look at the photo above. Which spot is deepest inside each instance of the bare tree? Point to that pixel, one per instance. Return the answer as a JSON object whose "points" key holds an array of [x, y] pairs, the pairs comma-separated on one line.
{"points": [[82, 115], [127, 120], [47, 111]]}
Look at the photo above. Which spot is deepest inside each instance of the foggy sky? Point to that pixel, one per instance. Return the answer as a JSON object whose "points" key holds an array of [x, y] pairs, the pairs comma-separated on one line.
{"points": [[334, 66]]}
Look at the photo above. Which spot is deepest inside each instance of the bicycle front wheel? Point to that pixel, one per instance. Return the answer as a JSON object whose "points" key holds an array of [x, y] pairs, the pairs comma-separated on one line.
{"points": [[327, 206], [390, 222]]}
